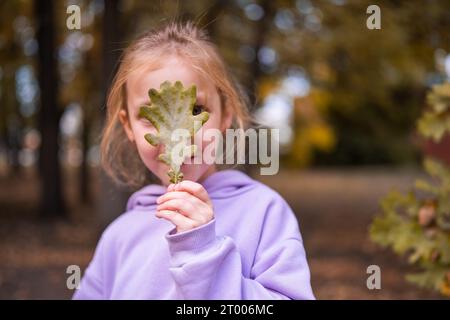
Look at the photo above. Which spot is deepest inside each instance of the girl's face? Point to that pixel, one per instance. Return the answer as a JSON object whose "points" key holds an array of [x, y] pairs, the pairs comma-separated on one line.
{"points": [[138, 84]]}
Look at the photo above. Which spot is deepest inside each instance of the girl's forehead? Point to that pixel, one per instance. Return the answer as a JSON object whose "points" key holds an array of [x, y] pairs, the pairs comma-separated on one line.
{"points": [[171, 69], [140, 81]]}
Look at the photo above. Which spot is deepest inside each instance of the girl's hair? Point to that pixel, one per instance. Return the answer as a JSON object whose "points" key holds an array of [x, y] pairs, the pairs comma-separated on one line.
{"points": [[119, 156]]}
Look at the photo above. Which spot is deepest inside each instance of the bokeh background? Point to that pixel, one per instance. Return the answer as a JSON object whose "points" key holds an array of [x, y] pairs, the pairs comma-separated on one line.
{"points": [[345, 98]]}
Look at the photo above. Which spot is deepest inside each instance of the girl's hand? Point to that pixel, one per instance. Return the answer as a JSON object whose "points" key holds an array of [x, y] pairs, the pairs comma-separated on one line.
{"points": [[186, 205]]}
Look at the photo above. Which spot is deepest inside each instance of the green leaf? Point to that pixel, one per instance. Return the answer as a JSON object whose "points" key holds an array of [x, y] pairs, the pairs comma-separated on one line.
{"points": [[431, 279], [435, 122], [436, 168], [423, 185], [431, 125], [171, 109]]}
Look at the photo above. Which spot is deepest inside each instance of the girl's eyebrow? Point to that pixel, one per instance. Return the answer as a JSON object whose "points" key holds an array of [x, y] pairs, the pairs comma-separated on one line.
{"points": [[201, 96]]}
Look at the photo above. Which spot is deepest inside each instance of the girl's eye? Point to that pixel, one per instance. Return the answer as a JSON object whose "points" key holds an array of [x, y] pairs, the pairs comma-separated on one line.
{"points": [[197, 109]]}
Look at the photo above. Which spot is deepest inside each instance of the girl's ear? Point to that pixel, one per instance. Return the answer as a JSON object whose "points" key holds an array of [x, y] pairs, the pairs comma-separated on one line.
{"points": [[123, 117]]}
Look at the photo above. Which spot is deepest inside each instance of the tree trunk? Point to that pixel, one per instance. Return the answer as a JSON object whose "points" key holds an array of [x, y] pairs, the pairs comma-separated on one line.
{"points": [[84, 168], [52, 204], [262, 28]]}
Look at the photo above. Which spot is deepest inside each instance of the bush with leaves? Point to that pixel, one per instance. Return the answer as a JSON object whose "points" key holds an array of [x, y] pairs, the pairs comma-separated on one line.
{"points": [[417, 224]]}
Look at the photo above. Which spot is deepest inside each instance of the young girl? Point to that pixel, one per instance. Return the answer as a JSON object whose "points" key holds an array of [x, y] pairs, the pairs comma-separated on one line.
{"points": [[215, 235]]}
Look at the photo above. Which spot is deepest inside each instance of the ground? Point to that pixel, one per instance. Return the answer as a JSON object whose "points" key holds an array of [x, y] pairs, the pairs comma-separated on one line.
{"points": [[334, 208]]}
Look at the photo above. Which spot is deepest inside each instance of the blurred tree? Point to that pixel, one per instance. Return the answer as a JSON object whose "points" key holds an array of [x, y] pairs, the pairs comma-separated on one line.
{"points": [[377, 78], [81, 84], [52, 204], [11, 58]]}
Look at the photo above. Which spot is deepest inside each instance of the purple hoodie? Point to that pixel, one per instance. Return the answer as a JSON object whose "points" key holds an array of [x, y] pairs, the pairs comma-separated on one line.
{"points": [[252, 249]]}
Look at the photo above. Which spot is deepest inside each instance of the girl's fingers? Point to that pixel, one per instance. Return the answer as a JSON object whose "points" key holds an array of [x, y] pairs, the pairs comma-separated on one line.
{"points": [[186, 205], [194, 188], [198, 213], [181, 222], [179, 195], [181, 205]]}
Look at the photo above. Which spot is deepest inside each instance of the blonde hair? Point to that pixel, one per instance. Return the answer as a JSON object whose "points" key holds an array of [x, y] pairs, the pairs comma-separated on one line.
{"points": [[119, 156]]}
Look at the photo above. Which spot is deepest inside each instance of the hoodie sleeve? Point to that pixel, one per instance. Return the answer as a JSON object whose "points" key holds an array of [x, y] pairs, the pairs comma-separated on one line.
{"points": [[209, 266]]}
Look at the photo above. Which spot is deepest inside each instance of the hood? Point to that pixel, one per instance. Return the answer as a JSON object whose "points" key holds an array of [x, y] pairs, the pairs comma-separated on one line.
{"points": [[220, 184]]}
